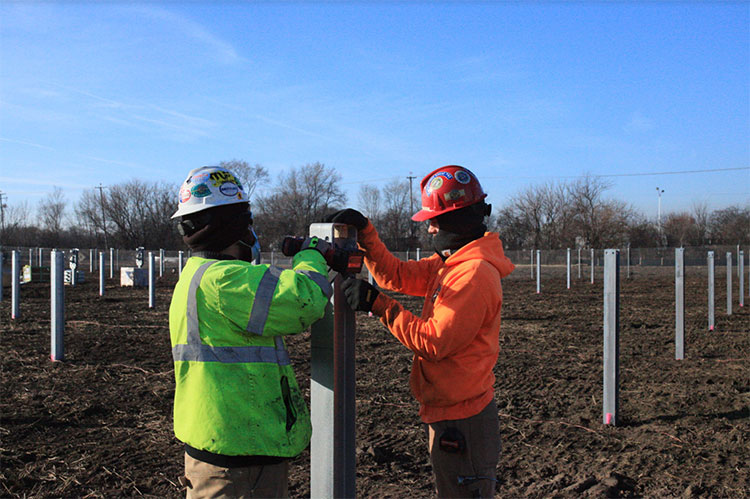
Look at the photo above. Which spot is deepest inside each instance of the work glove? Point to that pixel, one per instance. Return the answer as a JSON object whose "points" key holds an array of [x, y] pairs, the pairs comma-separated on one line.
{"points": [[324, 247], [359, 294], [347, 216]]}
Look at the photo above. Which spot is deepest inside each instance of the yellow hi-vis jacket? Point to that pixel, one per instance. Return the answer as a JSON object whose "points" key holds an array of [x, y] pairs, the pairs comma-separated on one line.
{"points": [[235, 392]]}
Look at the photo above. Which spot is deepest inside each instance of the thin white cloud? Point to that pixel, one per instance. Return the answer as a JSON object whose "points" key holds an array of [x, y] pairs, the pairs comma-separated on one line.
{"points": [[223, 51], [639, 123], [25, 143]]}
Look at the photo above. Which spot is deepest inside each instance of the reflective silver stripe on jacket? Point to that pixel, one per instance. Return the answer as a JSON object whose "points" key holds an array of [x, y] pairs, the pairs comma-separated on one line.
{"points": [[196, 351], [263, 298], [319, 279]]}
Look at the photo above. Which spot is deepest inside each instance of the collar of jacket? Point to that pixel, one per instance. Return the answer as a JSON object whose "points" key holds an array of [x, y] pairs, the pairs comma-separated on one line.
{"points": [[213, 255]]}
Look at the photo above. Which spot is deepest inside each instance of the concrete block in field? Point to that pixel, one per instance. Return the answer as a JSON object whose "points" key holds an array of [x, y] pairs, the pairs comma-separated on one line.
{"points": [[132, 276]]}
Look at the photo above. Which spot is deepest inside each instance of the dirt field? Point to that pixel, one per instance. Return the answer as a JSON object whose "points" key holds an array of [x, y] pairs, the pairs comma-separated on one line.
{"points": [[99, 423]]}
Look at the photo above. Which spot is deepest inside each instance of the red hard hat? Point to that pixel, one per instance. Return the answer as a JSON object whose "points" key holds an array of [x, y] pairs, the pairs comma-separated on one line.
{"points": [[446, 189]]}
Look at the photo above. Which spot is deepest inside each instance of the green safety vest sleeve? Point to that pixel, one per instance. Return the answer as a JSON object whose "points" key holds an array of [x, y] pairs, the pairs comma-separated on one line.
{"points": [[285, 302]]}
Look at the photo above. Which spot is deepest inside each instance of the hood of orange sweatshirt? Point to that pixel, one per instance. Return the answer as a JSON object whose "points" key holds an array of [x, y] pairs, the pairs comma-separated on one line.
{"points": [[488, 248]]}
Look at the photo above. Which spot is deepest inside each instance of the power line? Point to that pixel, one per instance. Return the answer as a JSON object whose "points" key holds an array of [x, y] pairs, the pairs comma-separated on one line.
{"points": [[682, 172], [512, 177]]}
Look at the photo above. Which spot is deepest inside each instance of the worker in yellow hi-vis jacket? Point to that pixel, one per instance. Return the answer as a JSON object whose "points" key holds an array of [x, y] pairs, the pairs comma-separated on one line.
{"points": [[237, 405]]}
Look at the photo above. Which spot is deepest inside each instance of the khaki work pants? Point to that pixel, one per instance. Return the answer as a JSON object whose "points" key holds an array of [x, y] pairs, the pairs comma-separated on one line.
{"points": [[208, 481], [465, 465]]}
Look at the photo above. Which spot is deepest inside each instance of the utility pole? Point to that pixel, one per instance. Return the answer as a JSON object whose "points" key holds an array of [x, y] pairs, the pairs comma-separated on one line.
{"points": [[658, 213], [104, 221], [411, 208], [2, 210]]}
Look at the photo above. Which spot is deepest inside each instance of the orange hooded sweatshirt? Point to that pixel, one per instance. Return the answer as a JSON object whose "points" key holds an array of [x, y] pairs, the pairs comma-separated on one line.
{"points": [[456, 339]]}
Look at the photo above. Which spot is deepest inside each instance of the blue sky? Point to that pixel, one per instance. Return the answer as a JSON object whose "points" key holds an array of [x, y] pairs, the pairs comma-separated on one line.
{"points": [[521, 93]]}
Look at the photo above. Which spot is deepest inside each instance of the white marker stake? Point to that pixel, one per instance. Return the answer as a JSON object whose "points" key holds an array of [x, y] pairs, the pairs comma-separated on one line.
{"points": [[151, 271], [15, 285], [101, 273], [729, 283]]}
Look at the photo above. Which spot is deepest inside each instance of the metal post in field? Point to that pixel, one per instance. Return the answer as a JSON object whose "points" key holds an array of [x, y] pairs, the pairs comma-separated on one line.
{"points": [[538, 271], [2, 257], [711, 292], [273, 258], [679, 303], [117, 258], [161, 262], [151, 271], [57, 307], [15, 285], [332, 397], [729, 283], [40, 259], [91, 261], [567, 266], [593, 263], [180, 262], [101, 273], [111, 263], [531, 265], [31, 257], [628, 265], [579, 263], [741, 267], [419, 254], [611, 336]]}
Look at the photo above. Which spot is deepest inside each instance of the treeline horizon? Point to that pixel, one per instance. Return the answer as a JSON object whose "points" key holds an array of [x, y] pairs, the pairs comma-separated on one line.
{"points": [[552, 215]]}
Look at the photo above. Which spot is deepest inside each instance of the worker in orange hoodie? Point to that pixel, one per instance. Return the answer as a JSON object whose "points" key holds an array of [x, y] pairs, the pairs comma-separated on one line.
{"points": [[456, 339]]}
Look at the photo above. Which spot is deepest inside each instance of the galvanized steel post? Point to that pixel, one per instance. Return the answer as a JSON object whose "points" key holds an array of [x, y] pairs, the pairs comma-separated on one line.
{"points": [[592, 265], [40, 260], [729, 283], [741, 267], [161, 262], [711, 292], [568, 268], [101, 273], [579, 263], [538, 271], [611, 336], [333, 459], [15, 285], [151, 271], [2, 257], [531, 265], [57, 306], [679, 303], [91, 261], [111, 263], [419, 254]]}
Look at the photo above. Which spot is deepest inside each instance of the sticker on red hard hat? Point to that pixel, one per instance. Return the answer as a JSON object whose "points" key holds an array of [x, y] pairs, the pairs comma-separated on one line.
{"points": [[435, 184], [463, 177], [455, 194]]}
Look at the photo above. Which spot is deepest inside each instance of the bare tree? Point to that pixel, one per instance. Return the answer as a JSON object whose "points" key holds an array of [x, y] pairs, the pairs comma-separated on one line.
{"points": [[300, 197], [679, 228], [370, 201], [51, 213], [140, 213], [251, 177], [702, 216], [731, 226]]}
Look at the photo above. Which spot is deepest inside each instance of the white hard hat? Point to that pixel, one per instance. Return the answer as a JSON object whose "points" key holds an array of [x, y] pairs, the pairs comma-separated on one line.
{"points": [[208, 187]]}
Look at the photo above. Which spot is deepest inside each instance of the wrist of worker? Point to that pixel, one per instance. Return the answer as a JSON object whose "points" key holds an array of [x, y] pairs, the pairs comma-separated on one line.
{"points": [[381, 304]]}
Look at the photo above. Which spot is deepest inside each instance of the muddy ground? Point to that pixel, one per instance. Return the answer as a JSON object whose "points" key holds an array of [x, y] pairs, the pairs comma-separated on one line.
{"points": [[99, 423]]}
